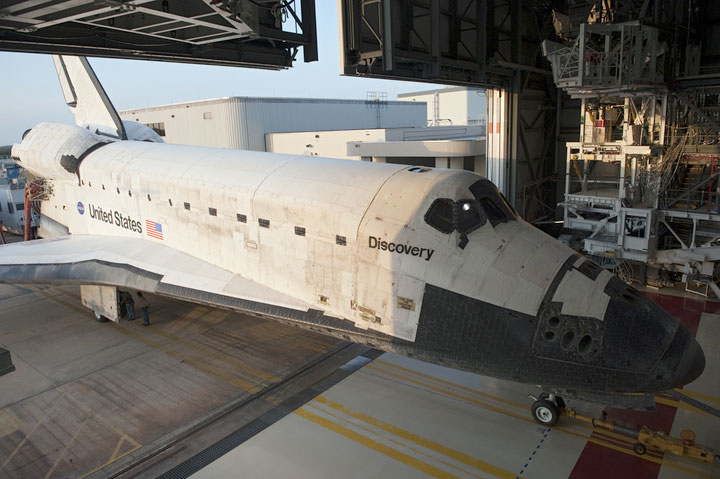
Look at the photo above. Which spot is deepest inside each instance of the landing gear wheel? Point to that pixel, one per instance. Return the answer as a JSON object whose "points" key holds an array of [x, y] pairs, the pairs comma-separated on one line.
{"points": [[558, 400], [639, 448], [544, 412], [100, 318]]}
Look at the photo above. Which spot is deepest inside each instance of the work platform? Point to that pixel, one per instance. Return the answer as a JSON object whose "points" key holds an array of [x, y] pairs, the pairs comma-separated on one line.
{"points": [[209, 393]]}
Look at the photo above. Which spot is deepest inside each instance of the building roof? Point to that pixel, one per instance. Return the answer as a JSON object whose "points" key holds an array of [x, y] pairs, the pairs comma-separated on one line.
{"points": [[248, 99]]}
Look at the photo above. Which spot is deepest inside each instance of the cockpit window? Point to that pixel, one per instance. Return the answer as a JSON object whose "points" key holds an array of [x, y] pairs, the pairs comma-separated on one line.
{"points": [[492, 202], [440, 215]]}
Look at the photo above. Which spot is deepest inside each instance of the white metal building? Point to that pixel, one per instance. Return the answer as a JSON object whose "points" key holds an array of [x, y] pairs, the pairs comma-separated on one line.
{"points": [[242, 122], [457, 147], [451, 106]]}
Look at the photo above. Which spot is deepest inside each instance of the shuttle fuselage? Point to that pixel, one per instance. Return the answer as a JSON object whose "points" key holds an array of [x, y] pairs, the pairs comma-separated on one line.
{"points": [[429, 263]]}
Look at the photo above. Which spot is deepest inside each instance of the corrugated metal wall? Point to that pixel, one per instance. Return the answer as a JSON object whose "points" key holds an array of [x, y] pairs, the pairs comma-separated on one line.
{"points": [[241, 122]]}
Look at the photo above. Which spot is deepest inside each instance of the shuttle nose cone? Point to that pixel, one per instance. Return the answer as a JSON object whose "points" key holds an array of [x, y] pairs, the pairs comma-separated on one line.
{"points": [[691, 365]]}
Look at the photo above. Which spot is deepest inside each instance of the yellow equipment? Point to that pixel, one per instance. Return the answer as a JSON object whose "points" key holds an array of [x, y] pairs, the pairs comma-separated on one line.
{"points": [[654, 440]]}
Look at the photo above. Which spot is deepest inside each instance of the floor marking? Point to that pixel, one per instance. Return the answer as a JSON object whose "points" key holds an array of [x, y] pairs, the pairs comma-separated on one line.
{"points": [[34, 428], [82, 310], [632, 453], [546, 431], [67, 447], [447, 393], [680, 404], [374, 445], [92, 471], [166, 349], [219, 356], [390, 439], [8, 424], [113, 457], [698, 395], [527, 419], [449, 383], [426, 443]]}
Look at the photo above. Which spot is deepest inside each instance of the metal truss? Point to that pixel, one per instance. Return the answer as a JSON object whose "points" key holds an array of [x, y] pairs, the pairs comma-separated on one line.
{"points": [[263, 33]]}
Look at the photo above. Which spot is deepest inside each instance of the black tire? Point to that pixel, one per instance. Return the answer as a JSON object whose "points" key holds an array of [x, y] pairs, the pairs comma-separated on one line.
{"points": [[639, 448], [558, 400], [544, 412], [100, 318]]}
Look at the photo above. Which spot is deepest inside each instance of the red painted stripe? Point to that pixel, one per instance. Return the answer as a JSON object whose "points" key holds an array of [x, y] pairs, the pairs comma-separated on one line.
{"points": [[600, 462]]}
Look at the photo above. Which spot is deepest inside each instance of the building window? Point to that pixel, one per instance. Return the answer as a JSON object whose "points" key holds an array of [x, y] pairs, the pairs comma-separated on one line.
{"points": [[241, 218], [1, 207], [20, 206], [187, 206], [212, 211], [149, 199], [264, 223], [10, 208], [159, 128], [169, 201], [300, 231], [340, 240], [207, 115]]}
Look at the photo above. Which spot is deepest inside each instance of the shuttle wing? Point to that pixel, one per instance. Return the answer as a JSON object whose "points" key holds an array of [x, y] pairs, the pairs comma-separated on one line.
{"points": [[143, 265]]}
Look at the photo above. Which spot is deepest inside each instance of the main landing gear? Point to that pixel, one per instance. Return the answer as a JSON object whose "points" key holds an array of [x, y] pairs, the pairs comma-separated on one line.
{"points": [[546, 408]]}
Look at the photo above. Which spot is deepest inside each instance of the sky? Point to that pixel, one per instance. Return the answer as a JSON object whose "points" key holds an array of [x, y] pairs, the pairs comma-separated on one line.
{"points": [[30, 92]]}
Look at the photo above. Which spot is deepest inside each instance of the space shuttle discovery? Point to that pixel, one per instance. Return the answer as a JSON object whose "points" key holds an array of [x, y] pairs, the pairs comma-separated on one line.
{"points": [[432, 264]]}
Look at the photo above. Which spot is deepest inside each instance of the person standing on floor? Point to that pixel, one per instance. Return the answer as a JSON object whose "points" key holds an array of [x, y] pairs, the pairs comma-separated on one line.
{"points": [[144, 306], [127, 299]]}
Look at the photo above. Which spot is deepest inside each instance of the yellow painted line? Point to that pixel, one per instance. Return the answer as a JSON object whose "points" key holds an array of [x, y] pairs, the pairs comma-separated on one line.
{"points": [[680, 404], [8, 424], [32, 431], [631, 453], [113, 457], [445, 392], [387, 451], [698, 395], [165, 348], [92, 471], [392, 440], [80, 309], [449, 383], [67, 447], [421, 441], [242, 366], [527, 419], [244, 385]]}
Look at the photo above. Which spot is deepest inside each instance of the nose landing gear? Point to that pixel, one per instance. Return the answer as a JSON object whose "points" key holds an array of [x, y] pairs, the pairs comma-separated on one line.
{"points": [[546, 408]]}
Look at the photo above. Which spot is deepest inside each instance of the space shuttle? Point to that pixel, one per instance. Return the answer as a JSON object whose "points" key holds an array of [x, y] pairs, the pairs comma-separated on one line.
{"points": [[432, 264]]}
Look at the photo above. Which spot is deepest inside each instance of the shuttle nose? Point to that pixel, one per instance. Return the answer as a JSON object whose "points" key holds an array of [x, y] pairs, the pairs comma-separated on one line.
{"points": [[691, 365]]}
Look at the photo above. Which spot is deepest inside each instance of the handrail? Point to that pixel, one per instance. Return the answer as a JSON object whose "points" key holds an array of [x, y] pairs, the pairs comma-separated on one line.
{"points": [[686, 195]]}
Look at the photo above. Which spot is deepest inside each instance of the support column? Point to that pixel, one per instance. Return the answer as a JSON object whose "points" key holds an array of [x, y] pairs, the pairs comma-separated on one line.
{"points": [[442, 162], [480, 165], [457, 163]]}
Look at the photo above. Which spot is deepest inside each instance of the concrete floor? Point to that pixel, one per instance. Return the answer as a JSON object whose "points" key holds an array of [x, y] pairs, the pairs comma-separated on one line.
{"points": [[87, 395], [95, 400]]}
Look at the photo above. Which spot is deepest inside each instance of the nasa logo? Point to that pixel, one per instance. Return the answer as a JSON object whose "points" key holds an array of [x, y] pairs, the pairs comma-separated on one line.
{"points": [[81, 208]]}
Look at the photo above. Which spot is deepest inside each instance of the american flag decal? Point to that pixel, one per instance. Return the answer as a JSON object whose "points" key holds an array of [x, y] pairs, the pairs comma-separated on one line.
{"points": [[153, 229]]}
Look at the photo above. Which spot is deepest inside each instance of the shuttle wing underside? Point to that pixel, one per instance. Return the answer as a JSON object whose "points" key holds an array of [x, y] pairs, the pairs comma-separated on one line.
{"points": [[143, 265]]}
